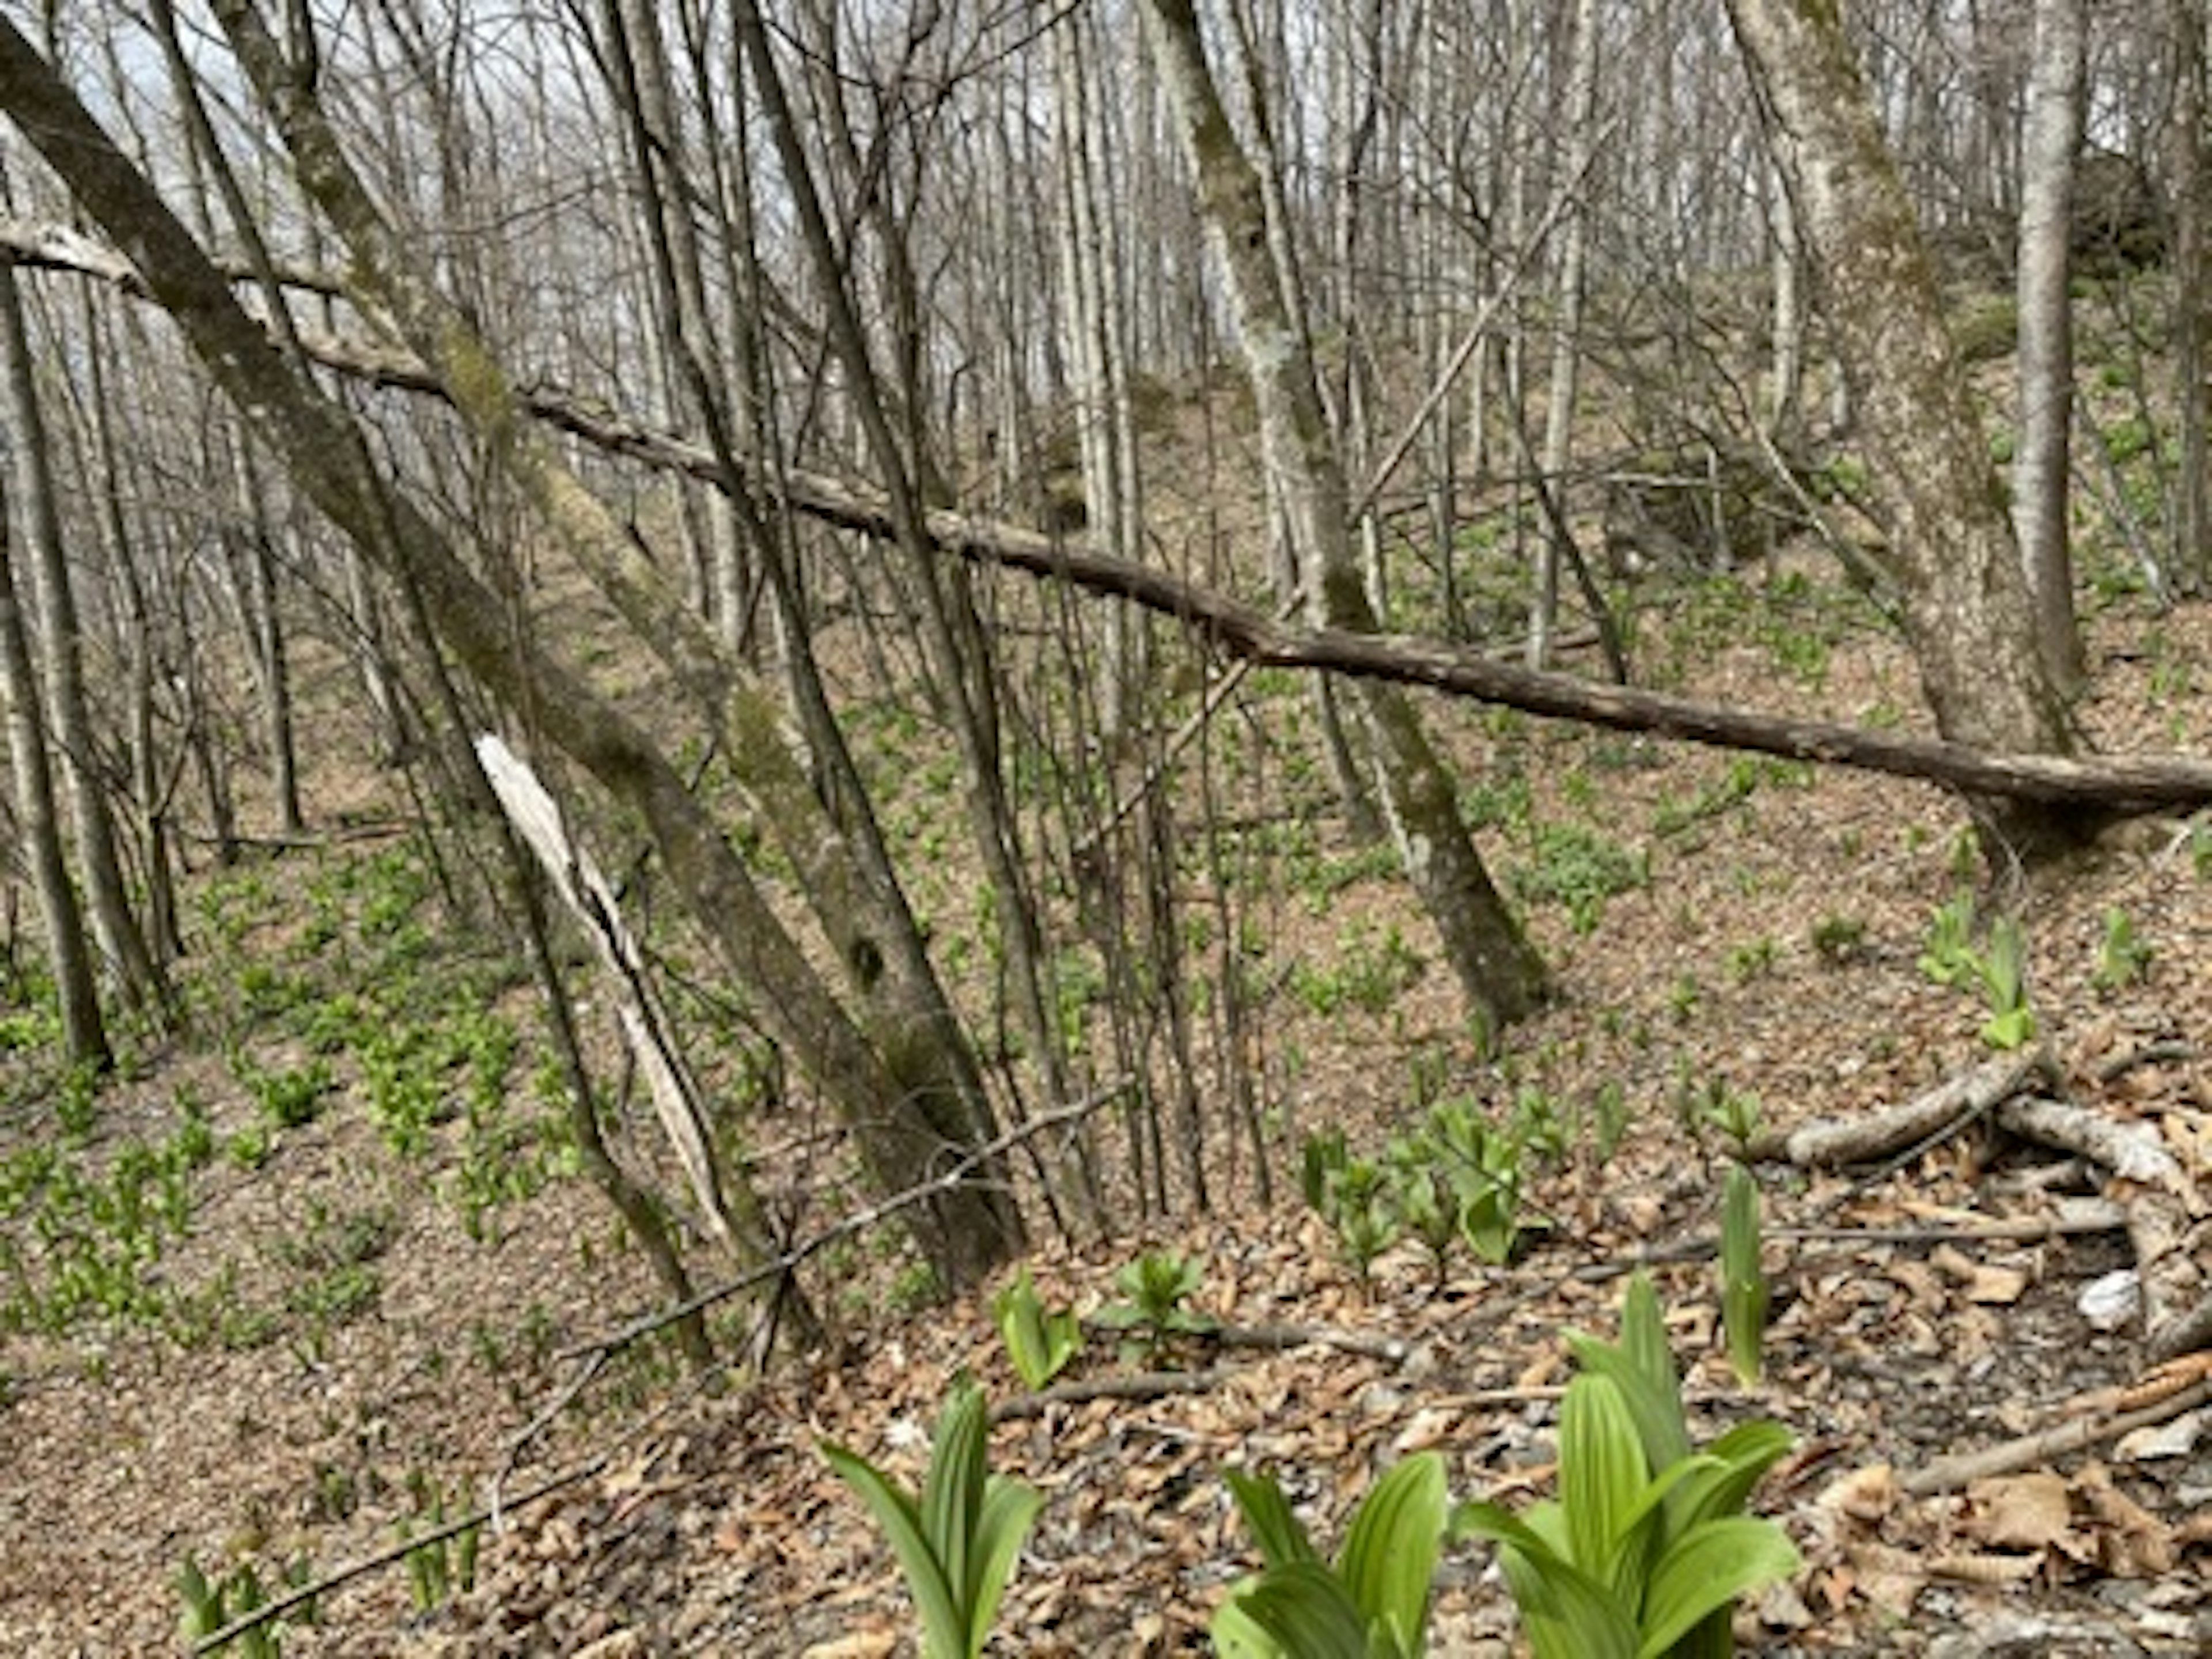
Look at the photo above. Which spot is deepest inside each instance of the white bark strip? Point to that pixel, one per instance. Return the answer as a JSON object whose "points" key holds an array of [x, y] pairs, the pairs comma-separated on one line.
{"points": [[576, 877]]}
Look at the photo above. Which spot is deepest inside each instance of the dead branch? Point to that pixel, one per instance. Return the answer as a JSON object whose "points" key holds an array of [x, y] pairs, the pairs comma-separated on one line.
{"points": [[1947, 1473], [2098, 785], [1940, 1111]]}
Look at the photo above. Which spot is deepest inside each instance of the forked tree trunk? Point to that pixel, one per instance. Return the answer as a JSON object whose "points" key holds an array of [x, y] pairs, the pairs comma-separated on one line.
{"points": [[1500, 974], [1964, 600]]}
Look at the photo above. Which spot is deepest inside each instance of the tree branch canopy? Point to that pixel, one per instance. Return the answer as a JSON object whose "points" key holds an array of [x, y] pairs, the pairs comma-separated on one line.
{"points": [[2116, 786]]}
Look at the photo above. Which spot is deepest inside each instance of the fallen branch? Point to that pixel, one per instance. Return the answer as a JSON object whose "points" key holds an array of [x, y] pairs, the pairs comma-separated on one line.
{"points": [[2164, 1228], [2030, 1451], [1923, 1120], [2105, 784]]}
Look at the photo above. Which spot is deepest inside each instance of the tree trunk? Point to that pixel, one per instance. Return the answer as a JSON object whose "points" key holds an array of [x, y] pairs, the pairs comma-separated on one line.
{"points": [[1500, 975], [2192, 281], [1566, 330], [61, 635], [2042, 467], [84, 1035], [1964, 601]]}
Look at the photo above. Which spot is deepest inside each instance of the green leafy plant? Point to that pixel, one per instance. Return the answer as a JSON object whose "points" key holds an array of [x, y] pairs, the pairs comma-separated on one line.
{"points": [[1580, 868], [442, 1564], [2002, 970], [1157, 1287], [1733, 1114], [212, 1603], [1743, 1279], [1837, 940], [1040, 1341], [2123, 956], [958, 1537], [1372, 1602], [1948, 956], [1353, 1195], [1645, 1549]]}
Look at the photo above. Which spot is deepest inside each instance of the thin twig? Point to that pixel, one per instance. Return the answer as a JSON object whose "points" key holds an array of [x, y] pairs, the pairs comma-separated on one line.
{"points": [[859, 1221], [1946, 1474]]}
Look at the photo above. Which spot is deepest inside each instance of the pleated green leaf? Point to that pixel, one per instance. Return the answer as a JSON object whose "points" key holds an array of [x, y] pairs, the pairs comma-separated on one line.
{"points": [[1306, 1611], [1705, 1571], [1009, 1509], [952, 1491], [1389, 1554], [1268, 1518], [944, 1625]]}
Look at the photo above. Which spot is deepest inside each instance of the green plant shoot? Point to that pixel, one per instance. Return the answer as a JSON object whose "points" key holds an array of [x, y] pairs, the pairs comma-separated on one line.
{"points": [[956, 1539], [1040, 1341], [1744, 1281], [1371, 1603]]}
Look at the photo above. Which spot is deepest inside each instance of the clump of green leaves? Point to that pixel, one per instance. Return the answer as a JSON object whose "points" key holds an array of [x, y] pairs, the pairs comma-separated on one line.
{"points": [[1581, 868], [212, 1603], [1744, 1293], [1158, 1287], [1646, 1549], [1948, 956], [957, 1538], [1371, 1602], [1998, 968], [1735, 1114], [1837, 940], [1353, 1195], [1040, 1341], [443, 1565], [2122, 956], [1456, 1180]]}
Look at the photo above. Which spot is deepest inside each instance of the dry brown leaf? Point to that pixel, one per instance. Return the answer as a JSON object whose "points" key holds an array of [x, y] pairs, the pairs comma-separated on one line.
{"points": [[2020, 1511], [1890, 1579], [1982, 1282], [2136, 1544], [1865, 1494]]}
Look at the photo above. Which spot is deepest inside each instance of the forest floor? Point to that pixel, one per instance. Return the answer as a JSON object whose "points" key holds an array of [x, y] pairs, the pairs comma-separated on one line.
{"points": [[352, 1340]]}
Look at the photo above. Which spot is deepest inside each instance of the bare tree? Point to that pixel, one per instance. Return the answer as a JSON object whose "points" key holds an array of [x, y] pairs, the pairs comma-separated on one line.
{"points": [[1963, 598], [1499, 973], [2041, 466]]}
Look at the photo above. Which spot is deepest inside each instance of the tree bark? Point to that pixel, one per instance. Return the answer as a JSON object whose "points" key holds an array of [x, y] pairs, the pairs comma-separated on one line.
{"points": [[966, 1230], [84, 1034], [61, 636], [2192, 282], [1964, 605], [1500, 975], [2042, 467]]}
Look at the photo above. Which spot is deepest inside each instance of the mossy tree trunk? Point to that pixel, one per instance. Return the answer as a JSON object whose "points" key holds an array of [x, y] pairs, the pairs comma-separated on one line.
{"points": [[969, 1225], [1500, 973], [1964, 599]]}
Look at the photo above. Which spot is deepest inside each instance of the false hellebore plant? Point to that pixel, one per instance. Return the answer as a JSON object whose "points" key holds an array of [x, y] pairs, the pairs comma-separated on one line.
{"points": [[1645, 1551], [956, 1539], [1372, 1603]]}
